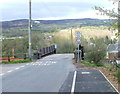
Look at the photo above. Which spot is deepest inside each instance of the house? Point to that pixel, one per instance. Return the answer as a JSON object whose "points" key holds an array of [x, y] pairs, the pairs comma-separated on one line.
{"points": [[113, 51]]}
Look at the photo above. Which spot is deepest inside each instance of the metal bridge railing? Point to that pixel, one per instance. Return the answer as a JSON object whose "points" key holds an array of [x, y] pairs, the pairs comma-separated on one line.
{"points": [[44, 52]]}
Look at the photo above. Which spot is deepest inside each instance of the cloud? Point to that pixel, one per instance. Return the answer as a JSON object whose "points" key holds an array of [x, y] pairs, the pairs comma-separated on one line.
{"points": [[52, 9]]}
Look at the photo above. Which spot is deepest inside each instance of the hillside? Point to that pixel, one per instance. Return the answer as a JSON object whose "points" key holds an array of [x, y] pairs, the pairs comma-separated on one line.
{"points": [[20, 27]]}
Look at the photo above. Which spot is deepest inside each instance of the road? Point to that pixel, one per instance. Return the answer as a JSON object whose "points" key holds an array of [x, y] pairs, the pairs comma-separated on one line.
{"points": [[44, 75], [54, 73]]}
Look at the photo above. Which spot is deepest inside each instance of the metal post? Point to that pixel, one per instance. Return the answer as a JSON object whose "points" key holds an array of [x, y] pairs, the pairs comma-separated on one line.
{"points": [[29, 31], [78, 54]]}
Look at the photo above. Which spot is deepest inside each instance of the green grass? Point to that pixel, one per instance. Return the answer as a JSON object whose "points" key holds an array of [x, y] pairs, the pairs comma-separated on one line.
{"points": [[88, 63], [92, 64], [17, 61]]}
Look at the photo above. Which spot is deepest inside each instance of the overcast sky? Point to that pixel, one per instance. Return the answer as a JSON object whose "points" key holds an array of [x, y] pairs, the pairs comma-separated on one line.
{"points": [[52, 9]]}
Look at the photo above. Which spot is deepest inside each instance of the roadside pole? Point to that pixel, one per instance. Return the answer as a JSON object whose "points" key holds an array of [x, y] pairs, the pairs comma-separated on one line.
{"points": [[78, 54], [78, 41], [29, 31]]}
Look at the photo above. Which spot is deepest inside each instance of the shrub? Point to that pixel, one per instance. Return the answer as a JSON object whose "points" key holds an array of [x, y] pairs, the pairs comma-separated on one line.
{"points": [[96, 51], [95, 56]]}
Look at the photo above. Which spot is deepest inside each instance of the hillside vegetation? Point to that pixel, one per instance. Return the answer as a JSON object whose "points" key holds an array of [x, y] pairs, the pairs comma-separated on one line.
{"points": [[20, 27], [45, 33]]}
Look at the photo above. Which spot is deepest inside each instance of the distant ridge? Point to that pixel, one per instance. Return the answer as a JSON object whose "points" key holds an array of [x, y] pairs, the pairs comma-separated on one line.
{"points": [[17, 20], [64, 23]]}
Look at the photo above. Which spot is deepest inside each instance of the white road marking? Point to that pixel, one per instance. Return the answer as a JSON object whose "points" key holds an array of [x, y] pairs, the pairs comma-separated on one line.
{"points": [[40, 62], [27, 64], [109, 82], [10, 71], [73, 84], [54, 62], [17, 68], [1, 74], [47, 62], [85, 72], [22, 66]]}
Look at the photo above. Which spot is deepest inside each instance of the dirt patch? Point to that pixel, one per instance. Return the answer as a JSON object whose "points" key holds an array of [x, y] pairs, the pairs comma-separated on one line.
{"points": [[105, 70]]}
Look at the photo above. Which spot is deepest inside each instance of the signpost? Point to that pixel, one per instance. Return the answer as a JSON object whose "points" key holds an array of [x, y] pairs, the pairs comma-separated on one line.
{"points": [[78, 41], [78, 37]]}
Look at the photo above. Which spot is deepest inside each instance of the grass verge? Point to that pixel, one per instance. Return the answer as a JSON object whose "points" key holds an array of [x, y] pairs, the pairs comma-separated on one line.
{"points": [[16, 61], [91, 64]]}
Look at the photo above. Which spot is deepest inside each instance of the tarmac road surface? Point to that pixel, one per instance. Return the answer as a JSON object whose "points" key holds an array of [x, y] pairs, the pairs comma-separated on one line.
{"points": [[44, 75]]}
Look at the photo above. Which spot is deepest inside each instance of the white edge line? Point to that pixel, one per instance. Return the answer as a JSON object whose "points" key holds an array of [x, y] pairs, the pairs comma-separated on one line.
{"points": [[109, 82], [73, 84]]}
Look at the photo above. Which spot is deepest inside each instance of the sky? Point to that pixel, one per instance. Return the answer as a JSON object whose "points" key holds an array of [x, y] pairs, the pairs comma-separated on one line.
{"points": [[52, 9]]}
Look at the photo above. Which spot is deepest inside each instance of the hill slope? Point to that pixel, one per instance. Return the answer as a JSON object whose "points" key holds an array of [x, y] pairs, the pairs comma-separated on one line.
{"points": [[20, 27]]}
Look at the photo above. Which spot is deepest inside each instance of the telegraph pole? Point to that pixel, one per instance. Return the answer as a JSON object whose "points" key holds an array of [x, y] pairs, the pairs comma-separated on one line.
{"points": [[29, 31], [72, 39]]}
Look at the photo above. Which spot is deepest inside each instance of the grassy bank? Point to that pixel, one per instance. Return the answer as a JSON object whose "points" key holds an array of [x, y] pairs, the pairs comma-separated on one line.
{"points": [[16, 62]]}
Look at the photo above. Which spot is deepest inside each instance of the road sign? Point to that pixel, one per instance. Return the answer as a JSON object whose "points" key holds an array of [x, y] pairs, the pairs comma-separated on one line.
{"points": [[78, 37], [78, 34]]}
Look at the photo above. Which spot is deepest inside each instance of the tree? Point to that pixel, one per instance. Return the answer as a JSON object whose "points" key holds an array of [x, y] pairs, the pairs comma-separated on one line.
{"points": [[112, 14]]}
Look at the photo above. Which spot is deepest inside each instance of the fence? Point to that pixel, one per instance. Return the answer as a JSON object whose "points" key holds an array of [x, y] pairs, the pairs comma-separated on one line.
{"points": [[36, 55], [8, 58], [44, 51]]}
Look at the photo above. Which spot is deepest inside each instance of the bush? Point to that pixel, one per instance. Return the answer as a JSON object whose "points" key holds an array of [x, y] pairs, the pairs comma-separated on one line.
{"points": [[96, 51], [95, 56]]}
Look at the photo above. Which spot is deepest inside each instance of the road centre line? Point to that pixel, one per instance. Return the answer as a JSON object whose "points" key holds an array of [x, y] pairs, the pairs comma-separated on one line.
{"points": [[73, 84]]}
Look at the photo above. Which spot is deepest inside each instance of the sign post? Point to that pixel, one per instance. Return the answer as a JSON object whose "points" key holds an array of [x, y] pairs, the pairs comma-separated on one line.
{"points": [[78, 41]]}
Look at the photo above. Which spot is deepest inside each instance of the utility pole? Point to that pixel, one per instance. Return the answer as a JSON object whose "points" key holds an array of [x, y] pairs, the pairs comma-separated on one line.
{"points": [[29, 31], [71, 39]]}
